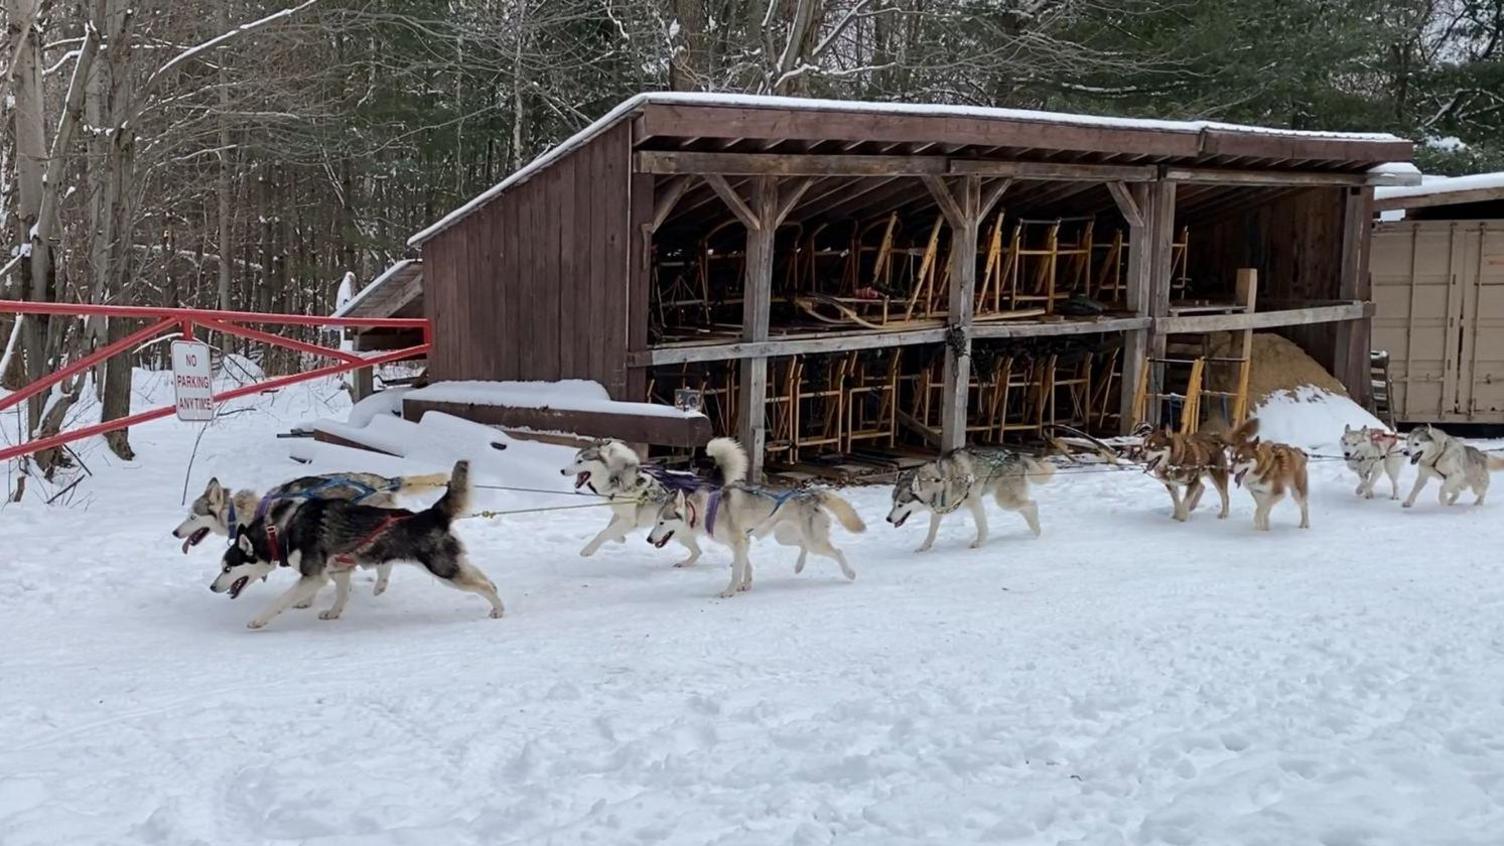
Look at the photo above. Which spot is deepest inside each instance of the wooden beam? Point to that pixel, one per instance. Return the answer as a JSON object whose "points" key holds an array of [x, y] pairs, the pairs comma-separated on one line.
{"points": [[1128, 206], [1160, 234], [950, 205], [787, 164], [1196, 324], [757, 300], [789, 196], [825, 342], [992, 193], [1260, 145], [1055, 329], [1140, 291], [679, 162], [1352, 343], [1217, 176], [733, 201], [1055, 171], [632, 428], [668, 197], [818, 343]]}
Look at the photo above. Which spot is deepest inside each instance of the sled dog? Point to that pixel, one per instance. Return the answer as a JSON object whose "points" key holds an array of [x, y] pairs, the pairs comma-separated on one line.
{"points": [[325, 539], [1183, 461], [1435, 453], [219, 511], [964, 477], [1370, 451], [734, 512], [1268, 470], [613, 469]]}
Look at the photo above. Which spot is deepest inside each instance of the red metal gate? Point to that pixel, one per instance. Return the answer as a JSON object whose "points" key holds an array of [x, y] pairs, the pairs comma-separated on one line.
{"points": [[187, 320]]}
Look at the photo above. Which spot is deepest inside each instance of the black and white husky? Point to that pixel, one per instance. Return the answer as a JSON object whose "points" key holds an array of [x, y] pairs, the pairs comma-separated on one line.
{"points": [[326, 539], [613, 469], [219, 511], [735, 512]]}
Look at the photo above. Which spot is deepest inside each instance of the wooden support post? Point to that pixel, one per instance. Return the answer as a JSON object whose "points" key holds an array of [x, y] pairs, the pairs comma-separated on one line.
{"points": [[1248, 294], [1353, 342], [963, 211], [1135, 204], [362, 384], [1161, 234]]}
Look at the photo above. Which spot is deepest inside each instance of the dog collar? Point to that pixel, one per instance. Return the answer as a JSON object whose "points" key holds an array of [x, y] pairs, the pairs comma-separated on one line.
{"points": [[273, 547]]}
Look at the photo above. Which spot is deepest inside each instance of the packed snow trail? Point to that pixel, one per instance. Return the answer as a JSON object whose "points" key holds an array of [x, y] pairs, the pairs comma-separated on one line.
{"points": [[1122, 680]]}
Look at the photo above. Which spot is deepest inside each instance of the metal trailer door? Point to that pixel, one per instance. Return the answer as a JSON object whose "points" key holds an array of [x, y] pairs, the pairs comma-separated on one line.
{"points": [[1417, 315], [1480, 374]]}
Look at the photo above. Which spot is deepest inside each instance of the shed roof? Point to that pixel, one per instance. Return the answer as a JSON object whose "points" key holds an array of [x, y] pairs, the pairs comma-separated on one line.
{"points": [[692, 120], [1442, 191], [388, 294]]}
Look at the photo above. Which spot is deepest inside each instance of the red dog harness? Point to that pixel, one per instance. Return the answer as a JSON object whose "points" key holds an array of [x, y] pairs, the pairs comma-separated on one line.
{"points": [[346, 560]]}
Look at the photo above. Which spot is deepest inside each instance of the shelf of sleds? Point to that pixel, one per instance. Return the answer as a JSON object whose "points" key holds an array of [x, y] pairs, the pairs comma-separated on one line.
{"points": [[876, 275], [849, 416]]}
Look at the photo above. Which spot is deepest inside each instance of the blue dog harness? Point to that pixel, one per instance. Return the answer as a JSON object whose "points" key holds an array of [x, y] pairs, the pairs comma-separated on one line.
{"points": [[713, 504], [279, 493]]}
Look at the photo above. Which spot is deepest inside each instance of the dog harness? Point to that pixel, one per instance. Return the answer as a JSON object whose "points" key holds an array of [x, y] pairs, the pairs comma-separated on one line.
{"points": [[280, 492], [346, 560], [713, 505]]}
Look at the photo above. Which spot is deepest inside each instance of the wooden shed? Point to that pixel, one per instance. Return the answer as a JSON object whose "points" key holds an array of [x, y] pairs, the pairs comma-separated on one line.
{"points": [[1438, 276], [835, 276]]}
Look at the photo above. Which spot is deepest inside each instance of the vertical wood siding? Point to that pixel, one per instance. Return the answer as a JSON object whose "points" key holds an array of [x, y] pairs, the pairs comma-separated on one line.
{"points": [[535, 285]]}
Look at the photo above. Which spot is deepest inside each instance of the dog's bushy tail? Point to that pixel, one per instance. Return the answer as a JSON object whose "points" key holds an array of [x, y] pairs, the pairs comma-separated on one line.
{"points": [[1039, 472], [850, 520], [413, 484], [730, 459], [1496, 462], [456, 499]]}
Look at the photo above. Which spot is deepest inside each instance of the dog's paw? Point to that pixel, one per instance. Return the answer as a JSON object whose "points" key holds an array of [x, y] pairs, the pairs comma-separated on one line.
{"points": [[329, 614], [586, 552], [1180, 517], [849, 574], [682, 564], [379, 589], [727, 593], [498, 613], [301, 605], [256, 624], [798, 568]]}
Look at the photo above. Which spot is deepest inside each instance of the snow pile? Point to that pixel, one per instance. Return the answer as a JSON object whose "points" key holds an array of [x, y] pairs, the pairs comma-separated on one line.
{"points": [[1434, 185], [564, 395], [387, 403], [1310, 417]]}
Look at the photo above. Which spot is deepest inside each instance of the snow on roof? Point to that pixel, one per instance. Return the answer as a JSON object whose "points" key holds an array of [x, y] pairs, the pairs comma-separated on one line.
{"points": [[1431, 186], [697, 98], [386, 276]]}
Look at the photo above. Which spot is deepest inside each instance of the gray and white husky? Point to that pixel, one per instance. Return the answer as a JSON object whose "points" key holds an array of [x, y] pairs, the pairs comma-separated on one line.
{"points": [[326, 539], [613, 469], [1370, 451], [1435, 453], [962, 478], [218, 510], [735, 512]]}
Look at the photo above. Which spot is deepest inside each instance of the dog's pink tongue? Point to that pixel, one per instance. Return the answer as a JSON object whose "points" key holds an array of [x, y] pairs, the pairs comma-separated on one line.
{"points": [[187, 543]]}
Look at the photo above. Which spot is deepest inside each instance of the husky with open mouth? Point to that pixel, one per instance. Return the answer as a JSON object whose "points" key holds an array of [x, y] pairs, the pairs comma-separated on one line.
{"points": [[324, 539], [1371, 451], [220, 511], [1269, 471], [1457, 465], [613, 469], [1182, 461]]}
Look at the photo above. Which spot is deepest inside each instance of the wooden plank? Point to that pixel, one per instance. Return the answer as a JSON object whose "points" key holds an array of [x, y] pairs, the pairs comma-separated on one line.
{"points": [[1020, 329], [584, 214], [961, 308], [639, 294], [613, 198], [991, 194], [633, 428], [1248, 295], [668, 197], [711, 121], [1202, 323], [786, 164], [1140, 288], [1054, 171], [950, 206], [547, 281], [570, 289], [733, 201], [757, 298], [1353, 341], [1127, 205], [1448, 198], [1230, 142], [788, 197], [1220, 176]]}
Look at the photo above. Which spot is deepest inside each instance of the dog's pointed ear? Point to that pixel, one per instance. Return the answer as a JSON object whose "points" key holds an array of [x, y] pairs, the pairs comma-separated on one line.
{"points": [[1347, 428], [243, 540]]}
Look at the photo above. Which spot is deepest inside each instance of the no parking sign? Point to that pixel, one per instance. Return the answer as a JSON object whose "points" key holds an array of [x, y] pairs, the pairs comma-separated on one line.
{"points": [[192, 381]]}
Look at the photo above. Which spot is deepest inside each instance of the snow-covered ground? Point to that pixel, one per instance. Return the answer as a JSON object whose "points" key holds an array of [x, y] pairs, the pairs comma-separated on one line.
{"points": [[1123, 679]]}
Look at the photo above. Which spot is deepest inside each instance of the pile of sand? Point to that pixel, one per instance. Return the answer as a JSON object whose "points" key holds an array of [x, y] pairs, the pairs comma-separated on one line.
{"points": [[1279, 366]]}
